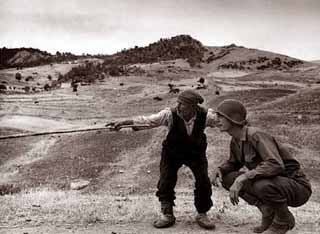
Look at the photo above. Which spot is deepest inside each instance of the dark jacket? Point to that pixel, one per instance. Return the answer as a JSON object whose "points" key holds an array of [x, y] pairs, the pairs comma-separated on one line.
{"points": [[179, 143]]}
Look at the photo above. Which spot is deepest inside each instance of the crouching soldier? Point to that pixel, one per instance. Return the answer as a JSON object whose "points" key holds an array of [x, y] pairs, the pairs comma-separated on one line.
{"points": [[274, 179], [185, 144]]}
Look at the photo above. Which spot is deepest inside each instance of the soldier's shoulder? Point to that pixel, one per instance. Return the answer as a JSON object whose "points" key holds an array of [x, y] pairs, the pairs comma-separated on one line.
{"points": [[252, 131]]}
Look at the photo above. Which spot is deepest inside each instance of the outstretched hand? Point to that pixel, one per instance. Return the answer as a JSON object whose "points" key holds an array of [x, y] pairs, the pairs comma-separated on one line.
{"points": [[116, 125]]}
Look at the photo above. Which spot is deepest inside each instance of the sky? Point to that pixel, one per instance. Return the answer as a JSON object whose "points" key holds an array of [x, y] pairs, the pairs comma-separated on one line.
{"points": [[290, 27]]}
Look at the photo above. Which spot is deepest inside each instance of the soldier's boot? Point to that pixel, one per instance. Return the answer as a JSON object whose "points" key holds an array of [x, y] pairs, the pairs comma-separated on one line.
{"points": [[167, 218], [204, 222], [283, 221], [267, 218]]}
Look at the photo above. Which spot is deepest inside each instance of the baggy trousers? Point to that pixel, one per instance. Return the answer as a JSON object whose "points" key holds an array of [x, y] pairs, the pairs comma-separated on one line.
{"points": [[272, 191], [169, 166]]}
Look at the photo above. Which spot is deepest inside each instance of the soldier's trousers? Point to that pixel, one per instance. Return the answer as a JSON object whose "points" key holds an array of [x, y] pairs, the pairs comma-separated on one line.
{"points": [[271, 191]]}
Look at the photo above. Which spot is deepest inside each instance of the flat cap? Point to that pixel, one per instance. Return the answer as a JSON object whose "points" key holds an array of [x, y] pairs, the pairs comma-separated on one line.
{"points": [[190, 97]]}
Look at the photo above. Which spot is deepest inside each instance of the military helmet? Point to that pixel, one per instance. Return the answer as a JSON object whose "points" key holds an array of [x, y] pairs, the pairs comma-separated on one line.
{"points": [[233, 110]]}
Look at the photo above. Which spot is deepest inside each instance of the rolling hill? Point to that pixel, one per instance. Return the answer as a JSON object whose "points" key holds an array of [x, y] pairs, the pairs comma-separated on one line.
{"points": [[29, 57]]}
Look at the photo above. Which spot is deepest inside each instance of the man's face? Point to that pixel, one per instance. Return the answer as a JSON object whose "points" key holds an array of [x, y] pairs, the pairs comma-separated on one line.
{"points": [[224, 124], [187, 111]]}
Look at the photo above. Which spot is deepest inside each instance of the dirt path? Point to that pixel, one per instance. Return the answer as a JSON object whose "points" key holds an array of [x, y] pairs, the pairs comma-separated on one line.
{"points": [[181, 227], [129, 228]]}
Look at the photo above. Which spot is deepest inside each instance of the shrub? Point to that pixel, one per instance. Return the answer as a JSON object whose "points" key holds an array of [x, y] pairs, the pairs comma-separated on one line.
{"points": [[18, 76], [29, 78], [3, 87], [115, 71], [276, 61], [60, 77], [46, 87], [26, 89]]}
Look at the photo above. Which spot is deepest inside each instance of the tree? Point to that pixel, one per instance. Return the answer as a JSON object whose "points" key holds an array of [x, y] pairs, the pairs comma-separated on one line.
{"points": [[3, 87], [27, 89], [18, 76], [29, 78], [46, 87], [60, 77]]}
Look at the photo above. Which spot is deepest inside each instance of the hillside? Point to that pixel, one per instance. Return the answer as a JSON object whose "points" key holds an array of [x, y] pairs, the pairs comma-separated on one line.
{"points": [[166, 49], [120, 169], [29, 57], [198, 55], [245, 59], [168, 57], [190, 50], [181, 46], [105, 182]]}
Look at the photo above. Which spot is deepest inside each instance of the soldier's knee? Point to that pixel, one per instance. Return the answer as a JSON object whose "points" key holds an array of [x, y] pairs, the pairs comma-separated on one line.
{"points": [[228, 179], [263, 188]]}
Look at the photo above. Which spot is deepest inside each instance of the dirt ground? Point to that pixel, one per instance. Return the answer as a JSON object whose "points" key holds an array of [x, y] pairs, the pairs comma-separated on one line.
{"points": [[121, 168], [137, 228]]}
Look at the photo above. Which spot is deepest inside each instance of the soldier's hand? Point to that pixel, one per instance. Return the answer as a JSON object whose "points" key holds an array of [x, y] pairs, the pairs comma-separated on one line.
{"points": [[216, 177], [236, 187]]}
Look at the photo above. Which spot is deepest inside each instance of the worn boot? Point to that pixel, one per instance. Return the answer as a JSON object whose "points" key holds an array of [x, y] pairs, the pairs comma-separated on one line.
{"points": [[283, 221], [267, 218], [167, 218], [204, 222]]}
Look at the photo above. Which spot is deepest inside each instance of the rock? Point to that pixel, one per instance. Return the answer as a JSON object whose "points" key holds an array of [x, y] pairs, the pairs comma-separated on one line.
{"points": [[157, 98], [79, 184], [201, 80], [174, 90]]}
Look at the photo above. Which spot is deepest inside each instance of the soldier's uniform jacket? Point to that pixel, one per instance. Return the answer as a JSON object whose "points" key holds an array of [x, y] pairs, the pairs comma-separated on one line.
{"points": [[263, 156]]}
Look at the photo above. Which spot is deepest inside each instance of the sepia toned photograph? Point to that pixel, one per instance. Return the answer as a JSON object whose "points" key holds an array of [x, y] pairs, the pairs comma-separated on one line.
{"points": [[155, 117]]}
